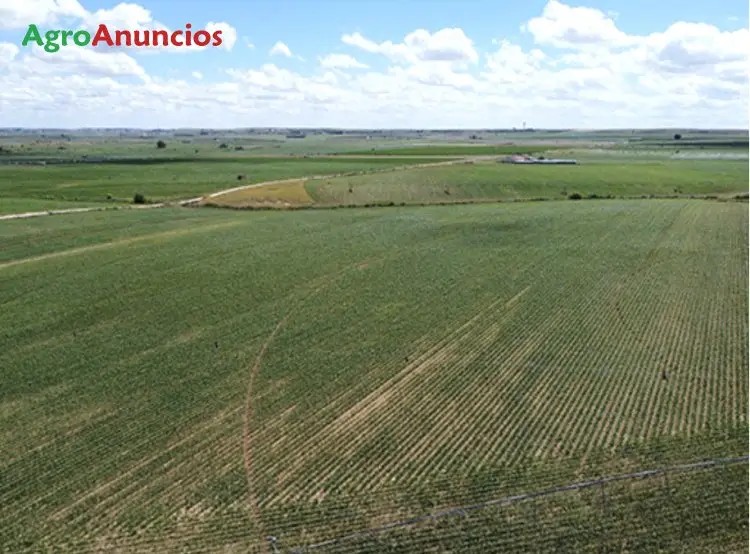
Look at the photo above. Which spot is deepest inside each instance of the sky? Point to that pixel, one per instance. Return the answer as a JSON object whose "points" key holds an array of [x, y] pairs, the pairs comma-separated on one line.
{"points": [[383, 64]]}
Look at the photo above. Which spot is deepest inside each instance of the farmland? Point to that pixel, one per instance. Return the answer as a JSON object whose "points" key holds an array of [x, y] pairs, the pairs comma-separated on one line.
{"points": [[461, 149], [75, 184], [598, 176], [194, 380]]}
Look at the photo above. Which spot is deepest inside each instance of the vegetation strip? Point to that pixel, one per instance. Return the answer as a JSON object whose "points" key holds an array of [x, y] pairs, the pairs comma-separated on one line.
{"points": [[461, 510], [315, 177], [115, 243]]}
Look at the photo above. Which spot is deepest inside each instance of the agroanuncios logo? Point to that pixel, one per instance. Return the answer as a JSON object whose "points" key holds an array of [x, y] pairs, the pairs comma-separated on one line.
{"points": [[52, 40]]}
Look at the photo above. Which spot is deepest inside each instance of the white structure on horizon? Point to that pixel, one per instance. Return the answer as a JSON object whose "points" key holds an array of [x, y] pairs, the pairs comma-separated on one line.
{"points": [[520, 159]]}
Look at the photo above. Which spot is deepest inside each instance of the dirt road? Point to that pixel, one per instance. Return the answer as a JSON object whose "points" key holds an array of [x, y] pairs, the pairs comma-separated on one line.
{"points": [[197, 200]]}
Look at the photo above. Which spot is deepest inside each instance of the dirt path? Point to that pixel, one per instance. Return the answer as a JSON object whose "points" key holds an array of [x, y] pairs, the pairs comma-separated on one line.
{"points": [[116, 243], [27, 215], [330, 176], [246, 436], [199, 199], [247, 451]]}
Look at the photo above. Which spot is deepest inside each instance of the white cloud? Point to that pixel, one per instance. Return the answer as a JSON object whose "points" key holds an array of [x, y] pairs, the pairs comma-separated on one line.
{"points": [[581, 71], [571, 27], [8, 52], [280, 49], [269, 77], [18, 14], [447, 45], [341, 61], [510, 63], [82, 62], [122, 16], [228, 33], [696, 46], [247, 42]]}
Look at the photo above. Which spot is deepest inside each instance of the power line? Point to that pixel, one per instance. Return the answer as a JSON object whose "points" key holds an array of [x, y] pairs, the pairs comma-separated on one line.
{"points": [[462, 510]]}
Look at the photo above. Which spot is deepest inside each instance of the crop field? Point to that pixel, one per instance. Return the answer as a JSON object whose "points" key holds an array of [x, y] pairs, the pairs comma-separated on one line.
{"points": [[620, 155], [600, 175], [289, 193], [163, 179], [461, 150], [31, 148], [196, 380]]}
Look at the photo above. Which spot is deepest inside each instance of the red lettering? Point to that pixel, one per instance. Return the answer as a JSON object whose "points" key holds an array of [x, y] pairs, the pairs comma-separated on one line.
{"points": [[217, 38], [174, 38], [119, 35], [102, 34], [202, 38], [164, 35], [145, 41]]}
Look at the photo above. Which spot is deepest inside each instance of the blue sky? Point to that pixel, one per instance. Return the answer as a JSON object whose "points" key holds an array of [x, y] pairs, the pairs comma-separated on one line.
{"points": [[314, 29]]}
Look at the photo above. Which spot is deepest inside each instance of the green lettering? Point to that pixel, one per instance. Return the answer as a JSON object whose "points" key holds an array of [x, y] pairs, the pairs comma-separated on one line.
{"points": [[51, 45], [32, 34], [82, 38], [65, 36]]}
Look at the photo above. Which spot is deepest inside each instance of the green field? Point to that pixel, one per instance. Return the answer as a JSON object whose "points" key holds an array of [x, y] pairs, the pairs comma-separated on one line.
{"points": [[161, 179], [600, 175], [191, 147], [195, 380], [460, 150]]}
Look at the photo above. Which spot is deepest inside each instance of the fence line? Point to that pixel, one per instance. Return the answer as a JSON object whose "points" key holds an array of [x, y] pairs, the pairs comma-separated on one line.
{"points": [[462, 510]]}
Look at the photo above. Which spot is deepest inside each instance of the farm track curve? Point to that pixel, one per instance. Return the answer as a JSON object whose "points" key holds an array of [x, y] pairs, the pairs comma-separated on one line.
{"points": [[321, 283], [199, 199]]}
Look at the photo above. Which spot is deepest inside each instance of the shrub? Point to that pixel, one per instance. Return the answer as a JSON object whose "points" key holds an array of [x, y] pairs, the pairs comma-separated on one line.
{"points": [[161, 144], [677, 136], [574, 196], [138, 198]]}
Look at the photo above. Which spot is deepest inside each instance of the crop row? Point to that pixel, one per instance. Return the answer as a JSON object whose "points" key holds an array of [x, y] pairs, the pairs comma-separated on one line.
{"points": [[445, 357], [504, 392], [698, 509]]}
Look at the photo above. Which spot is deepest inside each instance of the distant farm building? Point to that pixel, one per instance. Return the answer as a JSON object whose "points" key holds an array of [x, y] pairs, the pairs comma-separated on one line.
{"points": [[521, 159]]}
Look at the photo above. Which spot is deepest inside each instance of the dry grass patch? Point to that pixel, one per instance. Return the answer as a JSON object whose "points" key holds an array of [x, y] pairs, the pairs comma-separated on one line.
{"points": [[287, 193]]}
